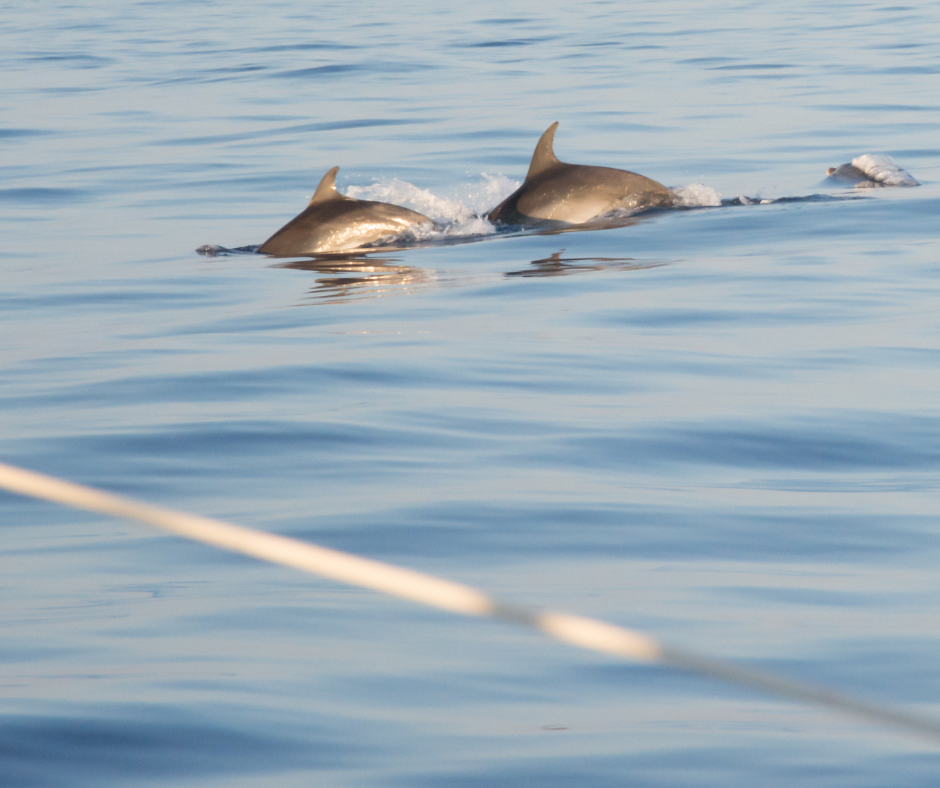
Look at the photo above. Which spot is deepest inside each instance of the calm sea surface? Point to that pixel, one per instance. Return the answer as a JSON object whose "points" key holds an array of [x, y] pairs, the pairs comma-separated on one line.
{"points": [[718, 425]]}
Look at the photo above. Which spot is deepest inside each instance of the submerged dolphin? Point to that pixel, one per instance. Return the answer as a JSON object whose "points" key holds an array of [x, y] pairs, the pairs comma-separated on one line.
{"points": [[871, 172], [333, 222], [554, 192]]}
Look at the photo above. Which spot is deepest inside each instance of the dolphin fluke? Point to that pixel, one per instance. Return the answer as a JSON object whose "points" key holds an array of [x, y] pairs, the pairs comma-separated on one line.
{"points": [[555, 193], [334, 223]]}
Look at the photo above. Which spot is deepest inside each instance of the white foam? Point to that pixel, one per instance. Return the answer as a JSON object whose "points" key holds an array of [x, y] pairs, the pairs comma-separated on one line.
{"points": [[696, 195], [880, 167], [458, 215]]}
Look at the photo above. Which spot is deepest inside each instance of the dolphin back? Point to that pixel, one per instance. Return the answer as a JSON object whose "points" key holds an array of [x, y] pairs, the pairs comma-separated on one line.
{"points": [[558, 193], [340, 225], [577, 193], [846, 173]]}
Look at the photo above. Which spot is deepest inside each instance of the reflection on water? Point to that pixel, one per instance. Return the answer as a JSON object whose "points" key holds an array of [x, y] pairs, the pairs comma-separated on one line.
{"points": [[353, 277], [556, 265], [345, 263], [358, 276]]}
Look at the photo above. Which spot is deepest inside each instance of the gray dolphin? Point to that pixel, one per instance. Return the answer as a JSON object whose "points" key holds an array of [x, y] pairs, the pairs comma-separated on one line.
{"points": [[333, 222], [555, 192], [847, 174]]}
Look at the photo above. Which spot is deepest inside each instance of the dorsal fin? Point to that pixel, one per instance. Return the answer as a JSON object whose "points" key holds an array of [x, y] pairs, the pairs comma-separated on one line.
{"points": [[327, 188], [544, 156]]}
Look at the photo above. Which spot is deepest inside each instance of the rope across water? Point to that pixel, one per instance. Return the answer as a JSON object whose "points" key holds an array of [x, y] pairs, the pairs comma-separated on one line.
{"points": [[436, 592]]}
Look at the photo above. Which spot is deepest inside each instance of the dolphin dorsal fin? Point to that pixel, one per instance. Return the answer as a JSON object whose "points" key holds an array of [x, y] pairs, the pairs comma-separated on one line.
{"points": [[544, 156], [327, 188]]}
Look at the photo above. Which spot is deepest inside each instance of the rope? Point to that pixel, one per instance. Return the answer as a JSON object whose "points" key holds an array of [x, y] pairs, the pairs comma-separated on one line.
{"points": [[436, 592]]}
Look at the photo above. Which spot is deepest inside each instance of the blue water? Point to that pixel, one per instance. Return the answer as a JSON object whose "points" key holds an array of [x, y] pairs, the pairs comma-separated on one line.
{"points": [[717, 425]]}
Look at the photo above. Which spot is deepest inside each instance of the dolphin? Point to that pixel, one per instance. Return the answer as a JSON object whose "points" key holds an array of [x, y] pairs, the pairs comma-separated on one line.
{"points": [[333, 222], [846, 173], [556, 193], [872, 172]]}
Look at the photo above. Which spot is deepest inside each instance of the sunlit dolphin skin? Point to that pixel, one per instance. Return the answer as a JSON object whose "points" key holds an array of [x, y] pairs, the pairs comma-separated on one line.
{"points": [[557, 193], [872, 172], [333, 222]]}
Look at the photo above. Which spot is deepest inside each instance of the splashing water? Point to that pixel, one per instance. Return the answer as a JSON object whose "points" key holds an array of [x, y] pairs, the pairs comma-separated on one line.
{"points": [[696, 195], [454, 216], [880, 167]]}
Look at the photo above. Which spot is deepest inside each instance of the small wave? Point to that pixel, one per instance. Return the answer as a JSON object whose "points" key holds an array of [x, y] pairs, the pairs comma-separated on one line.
{"points": [[880, 167], [212, 250], [743, 199], [696, 195], [37, 195]]}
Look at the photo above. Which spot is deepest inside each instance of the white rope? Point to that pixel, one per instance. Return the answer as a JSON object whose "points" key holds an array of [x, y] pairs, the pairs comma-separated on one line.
{"points": [[425, 589]]}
